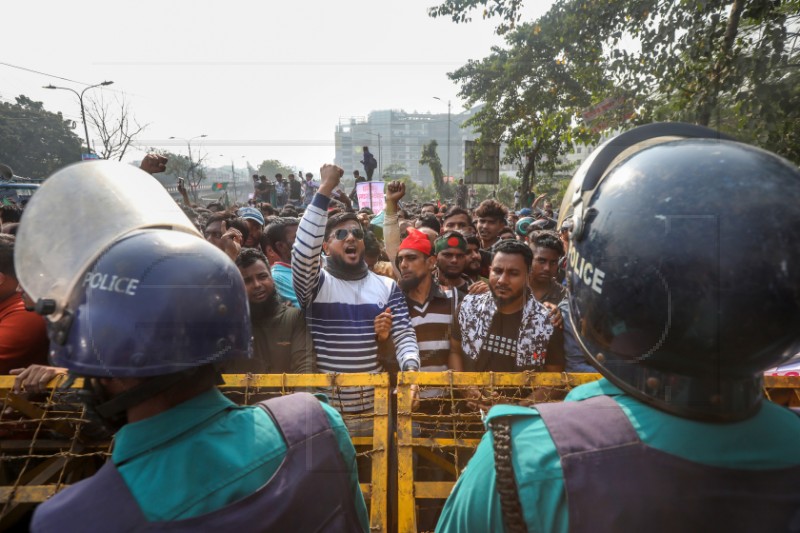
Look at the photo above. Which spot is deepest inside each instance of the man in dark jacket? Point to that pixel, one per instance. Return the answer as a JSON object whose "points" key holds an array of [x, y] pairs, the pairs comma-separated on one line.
{"points": [[282, 344], [369, 162]]}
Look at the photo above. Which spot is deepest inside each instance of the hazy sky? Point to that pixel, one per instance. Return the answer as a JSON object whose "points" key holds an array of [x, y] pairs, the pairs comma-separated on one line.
{"points": [[266, 80]]}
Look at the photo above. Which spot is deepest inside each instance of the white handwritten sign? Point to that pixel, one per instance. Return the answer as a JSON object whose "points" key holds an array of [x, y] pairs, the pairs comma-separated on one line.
{"points": [[370, 194]]}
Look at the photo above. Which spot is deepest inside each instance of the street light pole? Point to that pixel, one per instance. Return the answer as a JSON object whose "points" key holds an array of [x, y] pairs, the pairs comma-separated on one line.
{"points": [[233, 174], [448, 134], [80, 99]]}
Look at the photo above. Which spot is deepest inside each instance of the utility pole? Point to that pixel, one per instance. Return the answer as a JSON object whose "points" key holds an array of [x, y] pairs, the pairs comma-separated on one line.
{"points": [[448, 134], [233, 173]]}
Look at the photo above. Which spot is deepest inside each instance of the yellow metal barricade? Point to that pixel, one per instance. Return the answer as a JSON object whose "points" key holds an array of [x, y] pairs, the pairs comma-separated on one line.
{"points": [[47, 442], [445, 427]]}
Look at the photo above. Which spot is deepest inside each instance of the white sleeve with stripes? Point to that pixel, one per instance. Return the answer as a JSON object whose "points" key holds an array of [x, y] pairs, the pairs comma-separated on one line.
{"points": [[307, 249]]}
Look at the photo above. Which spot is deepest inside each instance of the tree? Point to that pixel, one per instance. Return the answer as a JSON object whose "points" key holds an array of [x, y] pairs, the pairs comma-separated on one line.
{"points": [[395, 171], [727, 64], [532, 93], [35, 142], [458, 10], [192, 169], [430, 158], [114, 124], [270, 167], [177, 166]]}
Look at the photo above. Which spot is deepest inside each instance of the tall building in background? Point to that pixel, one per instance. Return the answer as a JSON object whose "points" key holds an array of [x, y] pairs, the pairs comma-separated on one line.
{"points": [[396, 138]]}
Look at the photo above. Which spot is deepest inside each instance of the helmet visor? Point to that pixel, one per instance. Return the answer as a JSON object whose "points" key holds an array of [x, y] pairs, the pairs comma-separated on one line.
{"points": [[78, 213]]}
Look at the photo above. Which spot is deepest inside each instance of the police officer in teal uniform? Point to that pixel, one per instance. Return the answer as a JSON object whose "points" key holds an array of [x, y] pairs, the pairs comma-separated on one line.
{"points": [[684, 278], [141, 307]]}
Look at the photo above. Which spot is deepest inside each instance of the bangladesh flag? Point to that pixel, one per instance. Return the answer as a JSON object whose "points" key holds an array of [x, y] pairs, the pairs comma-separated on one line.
{"points": [[219, 186]]}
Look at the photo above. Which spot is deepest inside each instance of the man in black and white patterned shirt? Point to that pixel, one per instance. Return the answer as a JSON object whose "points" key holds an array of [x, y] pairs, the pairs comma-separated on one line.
{"points": [[507, 330]]}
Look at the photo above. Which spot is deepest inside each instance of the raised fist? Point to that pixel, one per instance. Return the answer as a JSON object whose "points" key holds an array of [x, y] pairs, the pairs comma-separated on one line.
{"points": [[395, 191], [153, 163], [330, 177]]}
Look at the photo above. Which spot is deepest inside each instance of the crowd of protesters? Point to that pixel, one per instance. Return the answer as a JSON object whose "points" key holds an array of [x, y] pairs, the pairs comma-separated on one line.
{"points": [[429, 287], [433, 287], [332, 288]]}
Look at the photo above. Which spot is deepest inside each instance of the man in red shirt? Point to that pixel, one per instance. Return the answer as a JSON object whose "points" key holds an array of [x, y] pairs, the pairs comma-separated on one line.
{"points": [[23, 335]]}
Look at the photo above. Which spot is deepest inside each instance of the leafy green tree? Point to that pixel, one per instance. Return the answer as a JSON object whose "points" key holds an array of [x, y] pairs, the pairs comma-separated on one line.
{"points": [[459, 11], [416, 192], [270, 167], [193, 170], [177, 167], [533, 91], [430, 158], [35, 142], [395, 171], [729, 64]]}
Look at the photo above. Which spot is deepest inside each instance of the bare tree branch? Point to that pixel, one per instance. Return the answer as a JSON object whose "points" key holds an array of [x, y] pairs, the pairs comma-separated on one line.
{"points": [[114, 125]]}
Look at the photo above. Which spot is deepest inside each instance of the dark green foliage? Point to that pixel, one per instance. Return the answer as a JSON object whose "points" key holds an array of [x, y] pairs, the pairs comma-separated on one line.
{"points": [[35, 142], [431, 158], [731, 65], [270, 167]]}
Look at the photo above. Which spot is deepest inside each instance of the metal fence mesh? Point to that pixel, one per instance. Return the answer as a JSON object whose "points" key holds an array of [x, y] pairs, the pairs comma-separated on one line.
{"points": [[410, 447]]}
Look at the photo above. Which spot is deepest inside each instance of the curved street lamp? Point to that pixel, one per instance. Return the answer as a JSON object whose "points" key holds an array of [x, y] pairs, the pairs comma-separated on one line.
{"points": [[80, 98]]}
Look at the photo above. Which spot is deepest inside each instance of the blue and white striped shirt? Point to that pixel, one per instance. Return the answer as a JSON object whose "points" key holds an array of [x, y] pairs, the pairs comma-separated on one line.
{"points": [[341, 313]]}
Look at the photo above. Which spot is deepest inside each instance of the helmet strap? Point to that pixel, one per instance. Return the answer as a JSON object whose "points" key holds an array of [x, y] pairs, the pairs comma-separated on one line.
{"points": [[111, 411]]}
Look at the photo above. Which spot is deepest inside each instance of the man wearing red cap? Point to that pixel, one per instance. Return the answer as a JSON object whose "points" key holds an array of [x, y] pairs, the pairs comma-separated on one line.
{"points": [[431, 310], [429, 307]]}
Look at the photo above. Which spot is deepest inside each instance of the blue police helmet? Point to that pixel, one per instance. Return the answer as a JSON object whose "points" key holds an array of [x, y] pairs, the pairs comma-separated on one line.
{"points": [[155, 302]]}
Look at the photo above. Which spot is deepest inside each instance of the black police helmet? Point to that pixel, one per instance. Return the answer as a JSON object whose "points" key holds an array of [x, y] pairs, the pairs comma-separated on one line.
{"points": [[684, 268]]}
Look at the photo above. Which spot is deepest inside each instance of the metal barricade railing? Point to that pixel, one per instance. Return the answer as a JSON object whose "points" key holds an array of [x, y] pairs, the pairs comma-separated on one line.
{"points": [[45, 445], [446, 427], [47, 442]]}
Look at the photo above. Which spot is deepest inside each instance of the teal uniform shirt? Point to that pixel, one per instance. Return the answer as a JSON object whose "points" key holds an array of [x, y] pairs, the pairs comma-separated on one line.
{"points": [[208, 452], [767, 440]]}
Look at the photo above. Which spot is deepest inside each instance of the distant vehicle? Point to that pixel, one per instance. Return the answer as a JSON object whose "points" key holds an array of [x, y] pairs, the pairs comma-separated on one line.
{"points": [[19, 193], [15, 188]]}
